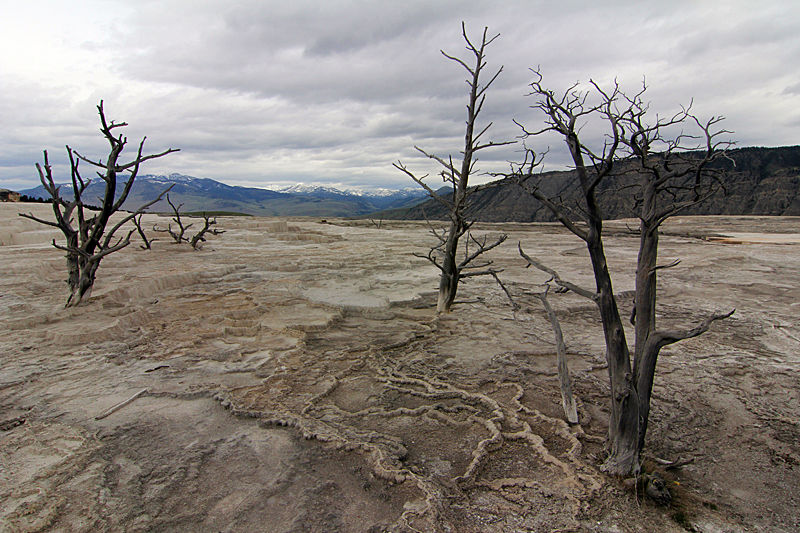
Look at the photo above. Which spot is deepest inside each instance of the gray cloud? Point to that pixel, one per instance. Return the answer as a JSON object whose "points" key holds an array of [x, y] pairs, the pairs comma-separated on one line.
{"points": [[792, 89], [255, 92]]}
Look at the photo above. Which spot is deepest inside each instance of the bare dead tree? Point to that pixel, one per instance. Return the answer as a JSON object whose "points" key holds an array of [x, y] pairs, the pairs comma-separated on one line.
{"points": [[200, 236], [137, 221], [92, 239], [680, 163], [178, 235], [444, 254]]}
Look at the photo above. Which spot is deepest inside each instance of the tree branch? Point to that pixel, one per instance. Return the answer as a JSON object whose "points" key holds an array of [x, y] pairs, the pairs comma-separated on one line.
{"points": [[665, 338], [566, 284], [567, 399], [39, 220], [482, 248], [428, 189]]}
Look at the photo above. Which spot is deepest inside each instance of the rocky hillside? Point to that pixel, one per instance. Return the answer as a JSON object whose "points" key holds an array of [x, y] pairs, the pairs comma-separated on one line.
{"points": [[757, 181]]}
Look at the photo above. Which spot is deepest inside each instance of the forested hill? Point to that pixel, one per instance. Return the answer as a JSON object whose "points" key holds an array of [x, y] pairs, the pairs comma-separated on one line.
{"points": [[757, 181]]}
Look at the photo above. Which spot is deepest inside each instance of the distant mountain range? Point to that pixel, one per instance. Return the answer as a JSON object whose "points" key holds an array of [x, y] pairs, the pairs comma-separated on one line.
{"points": [[757, 181], [201, 194]]}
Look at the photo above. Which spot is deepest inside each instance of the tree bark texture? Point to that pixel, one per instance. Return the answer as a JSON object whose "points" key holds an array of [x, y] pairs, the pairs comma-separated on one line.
{"points": [[449, 277]]}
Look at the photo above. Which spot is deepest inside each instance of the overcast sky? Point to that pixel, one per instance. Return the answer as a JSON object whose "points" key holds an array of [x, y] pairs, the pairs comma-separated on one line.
{"points": [[333, 92]]}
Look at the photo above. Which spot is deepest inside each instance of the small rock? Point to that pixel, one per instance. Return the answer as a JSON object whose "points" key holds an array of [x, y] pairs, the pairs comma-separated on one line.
{"points": [[656, 489]]}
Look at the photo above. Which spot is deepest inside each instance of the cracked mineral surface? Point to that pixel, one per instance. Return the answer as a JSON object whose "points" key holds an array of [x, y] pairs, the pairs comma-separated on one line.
{"points": [[298, 379]]}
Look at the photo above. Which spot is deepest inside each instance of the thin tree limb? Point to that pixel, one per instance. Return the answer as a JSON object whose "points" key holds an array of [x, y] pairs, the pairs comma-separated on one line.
{"points": [[119, 405], [567, 399], [566, 284]]}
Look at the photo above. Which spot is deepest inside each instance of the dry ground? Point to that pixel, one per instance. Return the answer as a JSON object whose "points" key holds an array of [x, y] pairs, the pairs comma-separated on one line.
{"points": [[298, 379]]}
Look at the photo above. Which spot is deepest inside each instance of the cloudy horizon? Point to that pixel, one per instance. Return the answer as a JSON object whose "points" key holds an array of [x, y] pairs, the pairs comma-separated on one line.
{"points": [[272, 93]]}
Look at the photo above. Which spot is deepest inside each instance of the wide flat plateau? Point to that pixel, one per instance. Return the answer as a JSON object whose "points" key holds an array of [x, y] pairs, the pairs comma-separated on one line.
{"points": [[298, 379]]}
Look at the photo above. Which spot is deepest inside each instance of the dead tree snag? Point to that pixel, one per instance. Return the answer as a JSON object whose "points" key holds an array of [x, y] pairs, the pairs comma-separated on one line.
{"points": [[669, 175], [92, 239], [444, 254], [177, 235], [200, 236], [567, 399], [147, 242]]}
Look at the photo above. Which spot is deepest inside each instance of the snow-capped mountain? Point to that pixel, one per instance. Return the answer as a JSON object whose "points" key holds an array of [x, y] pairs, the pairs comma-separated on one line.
{"points": [[302, 188], [408, 192], [380, 198], [203, 183], [202, 194]]}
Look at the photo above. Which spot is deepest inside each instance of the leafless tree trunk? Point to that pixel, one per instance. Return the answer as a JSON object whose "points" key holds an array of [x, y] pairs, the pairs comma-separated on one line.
{"points": [[178, 235], [89, 242], [567, 399], [458, 178], [200, 236], [137, 221], [660, 176]]}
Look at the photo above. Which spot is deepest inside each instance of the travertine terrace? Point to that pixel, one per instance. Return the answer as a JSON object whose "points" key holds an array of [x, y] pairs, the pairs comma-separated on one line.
{"points": [[298, 378]]}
